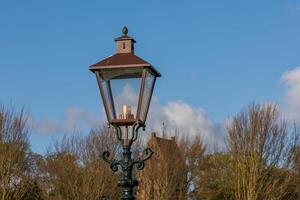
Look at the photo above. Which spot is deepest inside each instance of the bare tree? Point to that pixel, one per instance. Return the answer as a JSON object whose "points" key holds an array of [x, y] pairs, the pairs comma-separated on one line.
{"points": [[262, 146], [99, 172], [193, 152], [297, 171], [14, 149], [75, 171], [212, 177]]}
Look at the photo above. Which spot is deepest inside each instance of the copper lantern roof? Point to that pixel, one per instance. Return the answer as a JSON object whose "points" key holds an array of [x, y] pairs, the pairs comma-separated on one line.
{"points": [[124, 59]]}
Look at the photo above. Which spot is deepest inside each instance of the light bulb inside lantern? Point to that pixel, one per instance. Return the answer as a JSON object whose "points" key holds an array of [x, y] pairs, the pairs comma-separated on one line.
{"points": [[126, 112]]}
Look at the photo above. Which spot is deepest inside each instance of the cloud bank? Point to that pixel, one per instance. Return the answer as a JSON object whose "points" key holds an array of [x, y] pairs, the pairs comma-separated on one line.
{"points": [[178, 118], [75, 119], [291, 107], [181, 118]]}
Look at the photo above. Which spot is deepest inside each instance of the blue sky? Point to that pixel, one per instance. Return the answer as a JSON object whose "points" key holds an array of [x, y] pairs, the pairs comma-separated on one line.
{"points": [[215, 57]]}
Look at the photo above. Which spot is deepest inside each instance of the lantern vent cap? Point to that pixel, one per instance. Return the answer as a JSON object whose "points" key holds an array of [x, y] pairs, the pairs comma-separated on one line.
{"points": [[125, 36]]}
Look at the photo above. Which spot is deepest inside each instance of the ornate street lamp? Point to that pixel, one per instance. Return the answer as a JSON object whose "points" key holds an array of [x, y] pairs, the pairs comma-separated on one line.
{"points": [[126, 84]]}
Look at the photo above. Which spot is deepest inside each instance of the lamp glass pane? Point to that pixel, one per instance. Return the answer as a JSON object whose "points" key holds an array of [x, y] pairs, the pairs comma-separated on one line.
{"points": [[121, 91], [147, 94], [109, 99], [125, 95]]}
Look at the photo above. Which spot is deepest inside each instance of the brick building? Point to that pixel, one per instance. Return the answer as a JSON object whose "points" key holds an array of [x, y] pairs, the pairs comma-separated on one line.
{"points": [[165, 174]]}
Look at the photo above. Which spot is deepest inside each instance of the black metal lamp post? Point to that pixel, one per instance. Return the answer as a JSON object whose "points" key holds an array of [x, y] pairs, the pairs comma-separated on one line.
{"points": [[126, 84]]}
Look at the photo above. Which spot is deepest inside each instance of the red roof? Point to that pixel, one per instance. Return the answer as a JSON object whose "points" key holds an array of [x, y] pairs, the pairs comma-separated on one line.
{"points": [[121, 59]]}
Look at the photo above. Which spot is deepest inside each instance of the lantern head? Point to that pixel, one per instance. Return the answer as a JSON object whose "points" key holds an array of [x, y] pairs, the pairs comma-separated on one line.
{"points": [[126, 84]]}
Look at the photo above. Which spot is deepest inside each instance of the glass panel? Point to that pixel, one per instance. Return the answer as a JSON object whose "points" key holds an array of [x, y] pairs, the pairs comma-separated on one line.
{"points": [[109, 99], [125, 95], [148, 89], [121, 73]]}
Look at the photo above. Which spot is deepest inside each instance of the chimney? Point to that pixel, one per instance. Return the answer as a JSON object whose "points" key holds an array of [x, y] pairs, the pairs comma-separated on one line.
{"points": [[153, 134], [125, 44], [173, 138]]}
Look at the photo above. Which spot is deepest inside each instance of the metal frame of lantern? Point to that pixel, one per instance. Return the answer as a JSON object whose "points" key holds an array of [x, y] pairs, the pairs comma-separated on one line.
{"points": [[107, 96], [126, 163]]}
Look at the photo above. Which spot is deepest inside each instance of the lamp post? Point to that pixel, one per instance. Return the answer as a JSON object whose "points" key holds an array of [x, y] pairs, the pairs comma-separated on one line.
{"points": [[126, 84]]}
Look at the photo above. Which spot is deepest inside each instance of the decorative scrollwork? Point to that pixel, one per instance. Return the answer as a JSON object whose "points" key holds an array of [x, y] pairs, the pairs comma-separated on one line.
{"points": [[118, 132], [113, 163], [140, 163], [147, 154], [127, 165], [114, 166], [126, 162], [135, 131], [105, 156]]}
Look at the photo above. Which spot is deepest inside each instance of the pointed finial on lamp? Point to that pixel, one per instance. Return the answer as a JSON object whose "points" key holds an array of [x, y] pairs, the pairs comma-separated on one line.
{"points": [[125, 30]]}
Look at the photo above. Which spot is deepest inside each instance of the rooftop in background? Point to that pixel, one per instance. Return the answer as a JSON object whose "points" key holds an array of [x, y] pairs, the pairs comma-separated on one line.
{"points": [[163, 144]]}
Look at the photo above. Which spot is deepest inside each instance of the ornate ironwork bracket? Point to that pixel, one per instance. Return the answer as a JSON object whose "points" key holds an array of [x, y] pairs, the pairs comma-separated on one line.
{"points": [[140, 163], [127, 163], [113, 163]]}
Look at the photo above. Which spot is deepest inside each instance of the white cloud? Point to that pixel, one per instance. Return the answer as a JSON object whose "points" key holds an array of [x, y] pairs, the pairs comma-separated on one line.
{"points": [[74, 119], [292, 95], [45, 126], [77, 117], [178, 116]]}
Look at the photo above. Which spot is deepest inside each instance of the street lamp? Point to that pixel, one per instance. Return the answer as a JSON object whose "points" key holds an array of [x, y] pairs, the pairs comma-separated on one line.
{"points": [[126, 84]]}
